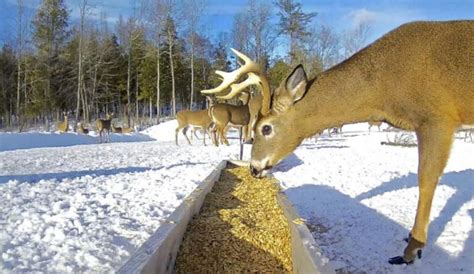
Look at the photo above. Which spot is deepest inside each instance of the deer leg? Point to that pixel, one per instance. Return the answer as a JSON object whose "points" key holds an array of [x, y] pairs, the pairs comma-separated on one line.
{"points": [[224, 135], [434, 144], [176, 135], [204, 136], [185, 129]]}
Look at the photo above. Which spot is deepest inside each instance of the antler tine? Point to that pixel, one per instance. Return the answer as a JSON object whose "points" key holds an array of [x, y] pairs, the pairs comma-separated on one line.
{"points": [[262, 81], [256, 76], [231, 77], [236, 88]]}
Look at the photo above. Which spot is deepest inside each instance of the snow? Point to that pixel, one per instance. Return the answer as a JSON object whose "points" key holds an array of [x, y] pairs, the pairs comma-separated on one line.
{"points": [[69, 204], [14, 141]]}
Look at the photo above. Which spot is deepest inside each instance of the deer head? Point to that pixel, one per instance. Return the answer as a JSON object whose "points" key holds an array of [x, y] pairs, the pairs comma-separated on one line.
{"points": [[273, 141]]}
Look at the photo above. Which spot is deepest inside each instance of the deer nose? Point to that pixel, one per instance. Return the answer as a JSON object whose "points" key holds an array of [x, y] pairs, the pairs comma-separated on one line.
{"points": [[254, 171]]}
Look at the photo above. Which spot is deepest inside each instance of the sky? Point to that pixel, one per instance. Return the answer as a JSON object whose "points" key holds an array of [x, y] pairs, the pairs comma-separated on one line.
{"points": [[382, 15]]}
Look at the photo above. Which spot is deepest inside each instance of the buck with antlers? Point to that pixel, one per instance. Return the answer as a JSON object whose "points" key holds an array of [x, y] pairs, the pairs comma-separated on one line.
{"points": [[103, 127], [197, 119], [418, 77]]}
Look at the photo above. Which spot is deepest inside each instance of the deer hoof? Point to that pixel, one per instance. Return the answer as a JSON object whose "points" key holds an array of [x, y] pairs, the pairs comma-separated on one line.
{"points": [[400, 260]]}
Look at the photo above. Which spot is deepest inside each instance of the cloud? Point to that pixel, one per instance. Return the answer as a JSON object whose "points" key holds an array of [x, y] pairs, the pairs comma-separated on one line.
{"points": [[362, 16]]}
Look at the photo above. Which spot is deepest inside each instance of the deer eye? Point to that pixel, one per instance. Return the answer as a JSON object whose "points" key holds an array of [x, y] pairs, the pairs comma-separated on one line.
{"points": [[266, 130]]}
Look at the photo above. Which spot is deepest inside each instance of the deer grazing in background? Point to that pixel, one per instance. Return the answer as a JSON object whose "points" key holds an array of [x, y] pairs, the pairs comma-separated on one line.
{"points": [[127, 129], [103, 127], [418, 77], [196, 119], [115, 129], [64, 125]]}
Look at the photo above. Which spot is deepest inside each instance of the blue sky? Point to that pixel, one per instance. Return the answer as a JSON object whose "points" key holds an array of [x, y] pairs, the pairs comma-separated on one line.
{"points": [[383, 15]]}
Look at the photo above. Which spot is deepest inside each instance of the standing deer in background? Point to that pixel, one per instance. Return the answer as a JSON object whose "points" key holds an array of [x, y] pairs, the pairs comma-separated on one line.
{"points": [[417, 77], [245, 116], [375, 123], [103, 127], [64, 125], [197, 119]]}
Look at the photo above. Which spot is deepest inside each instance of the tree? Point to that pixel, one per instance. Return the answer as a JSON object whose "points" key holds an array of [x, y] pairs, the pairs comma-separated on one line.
{"points": [[7, 82], [20, 45], [293, 22], [324, 44], [355, 38], [193, 11], [80, 78], [278, 72], [252, 31], [170, 41], [50, 36], [157, 18]]}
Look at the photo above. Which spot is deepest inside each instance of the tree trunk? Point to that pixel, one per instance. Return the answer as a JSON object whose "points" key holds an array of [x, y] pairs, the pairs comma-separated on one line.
{"points": [[158, 81], [192, 71], [128, 81], [79, 78], [136, 99], [173, 92]]}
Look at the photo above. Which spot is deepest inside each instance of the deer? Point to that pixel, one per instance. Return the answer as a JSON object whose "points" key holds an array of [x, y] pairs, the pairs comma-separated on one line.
{"points": [[377, 124], [196, 119], [417, 77], [115, 129], [127, 129], [468, 130], [224, 115], [64, 125], [82, 129], [104, 126]]}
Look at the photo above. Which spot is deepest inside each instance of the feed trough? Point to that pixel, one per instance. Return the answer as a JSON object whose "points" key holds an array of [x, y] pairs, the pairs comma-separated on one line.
{"points": [[231, 223]]}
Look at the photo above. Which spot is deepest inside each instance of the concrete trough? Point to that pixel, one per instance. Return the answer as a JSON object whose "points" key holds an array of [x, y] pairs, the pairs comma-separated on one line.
{"points": [[158, 254]]}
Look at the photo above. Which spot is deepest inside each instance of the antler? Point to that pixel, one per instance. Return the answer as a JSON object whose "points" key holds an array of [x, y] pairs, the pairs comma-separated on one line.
{"points": [[255, 77]]}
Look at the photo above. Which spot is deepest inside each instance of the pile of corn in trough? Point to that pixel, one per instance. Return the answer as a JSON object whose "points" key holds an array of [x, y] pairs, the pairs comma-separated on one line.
{"points": [[240, 228]]}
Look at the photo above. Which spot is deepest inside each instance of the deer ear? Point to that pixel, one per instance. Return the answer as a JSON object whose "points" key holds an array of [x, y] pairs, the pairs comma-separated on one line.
{"points": [[296, 83]]}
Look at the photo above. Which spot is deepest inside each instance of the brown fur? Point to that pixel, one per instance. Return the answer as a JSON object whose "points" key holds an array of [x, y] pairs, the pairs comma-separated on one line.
{"points": [[64, 125], [418, 77], [187, 118], [81, 129], [116, 129], [225, 115], [377, 124], [103, 127]]}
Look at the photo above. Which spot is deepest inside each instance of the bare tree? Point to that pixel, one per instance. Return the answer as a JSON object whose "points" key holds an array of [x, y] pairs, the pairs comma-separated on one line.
{"points": [[355, 38], [20, 44], [170, 32], [83, 6], [157, 19], [193, 10], [324, 44]]}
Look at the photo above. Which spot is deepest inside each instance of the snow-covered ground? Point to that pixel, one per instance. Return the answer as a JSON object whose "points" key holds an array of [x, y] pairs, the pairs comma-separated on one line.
{"points": [[86, 208]]}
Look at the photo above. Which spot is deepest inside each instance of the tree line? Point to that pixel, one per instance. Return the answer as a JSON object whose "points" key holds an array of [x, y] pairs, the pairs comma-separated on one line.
{"points": [[151, 63]]}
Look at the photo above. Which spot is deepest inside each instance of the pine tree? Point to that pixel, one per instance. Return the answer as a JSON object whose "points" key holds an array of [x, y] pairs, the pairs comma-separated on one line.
{"points": [[50, 36], [293, 22]]}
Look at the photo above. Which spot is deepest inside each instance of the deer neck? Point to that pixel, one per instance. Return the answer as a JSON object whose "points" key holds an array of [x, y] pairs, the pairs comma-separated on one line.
{"points": [[345, 94]]}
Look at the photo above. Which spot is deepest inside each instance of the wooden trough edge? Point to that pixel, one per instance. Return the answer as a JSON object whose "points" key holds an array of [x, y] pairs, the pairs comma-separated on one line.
{"points": [[158, 254]]}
